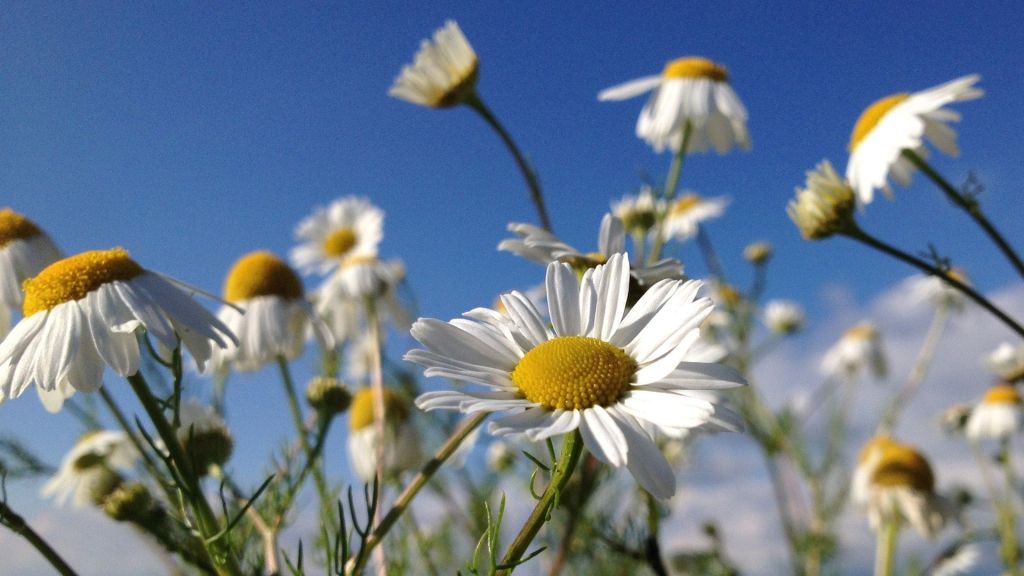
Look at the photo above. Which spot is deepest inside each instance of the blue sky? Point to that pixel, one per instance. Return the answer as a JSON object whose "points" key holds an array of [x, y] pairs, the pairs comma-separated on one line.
{"points": [[192, 133]]}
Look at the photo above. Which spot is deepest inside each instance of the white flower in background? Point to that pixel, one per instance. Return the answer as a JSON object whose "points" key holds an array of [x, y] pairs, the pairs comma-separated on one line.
{"points": [[860, 348], [960, 560], [758, 253], [997, 416], [690, 90], [340, 301], [638, 212], [685, 215], [349, 227], [540, 246], [783, 316], [501, 457], [267, 312], [1007, 362], [401, 440], [86, 311], [903, 122], [204, 435], [24, 251], [824, 206], [615, 376], [89, 472], [936, 291], [444, 72], [867, 460], [902, 488]]}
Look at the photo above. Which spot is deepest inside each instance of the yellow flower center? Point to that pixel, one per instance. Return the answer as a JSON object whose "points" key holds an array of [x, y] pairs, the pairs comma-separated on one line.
{"points": [[72, 278], [361, 410], [1002, 394], [339, 242], [14, 226], [872, 116], [861, 332], [359, 260], [876, 443], [261, 274], [695, 67], [574, 373], [684, 204], [902, 466]]}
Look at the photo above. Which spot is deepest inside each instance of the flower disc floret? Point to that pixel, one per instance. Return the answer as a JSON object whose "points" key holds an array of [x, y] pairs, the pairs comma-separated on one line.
{"points": [[361, 411], [902, 466], [872, 116], [695, 67], [261, 274], [72, 278], [574, 373], [339, 242], [1002, 394], [14, 226]]}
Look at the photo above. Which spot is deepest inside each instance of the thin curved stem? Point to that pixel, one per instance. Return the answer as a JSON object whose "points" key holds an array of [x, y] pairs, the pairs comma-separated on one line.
{"points": [[300, 428], [669, 193], [17, 524], [919, 371]]}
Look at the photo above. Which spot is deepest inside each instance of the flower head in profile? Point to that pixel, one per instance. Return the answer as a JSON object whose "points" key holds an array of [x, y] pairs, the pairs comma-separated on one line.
{"points": [[783, 316], [684, 216], [84, 312], [349, 228], [690, 91], [937, 292], [24, 250], [1007, 362], [90, 471], [401, 441], [758, 253], [860, 348], [444, 72], [204, 435], [998, 415], [340, 301], [901, 487], [615, 375], [824, 206], [638, 212], [903, 122]]}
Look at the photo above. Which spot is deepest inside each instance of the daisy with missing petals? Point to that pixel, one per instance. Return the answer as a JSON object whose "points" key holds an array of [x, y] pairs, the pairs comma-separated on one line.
{"points": [[349, 228], [24, 250], [936, 291], [1007, 362], [859, 348], [401, 441], [997, 416], [686, 213], [692, 91], [903, 122], [444, 72], [86, 311], [88, 473], [615, 376], [266, 310]]}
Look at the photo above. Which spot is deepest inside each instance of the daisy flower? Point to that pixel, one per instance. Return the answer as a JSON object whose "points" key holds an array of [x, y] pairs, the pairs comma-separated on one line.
{"points": [[783, 316], [1007, 362], [859, 348], [824, 206], [903, 122], [86, 311], [266, 310], [867, 460], [24, 250], [936, 291], [444, 72], [902, 486], [349, 227], [401, 440], [639, 212], [88, 472], [997, 416], [340, 301], [686, 213], [615, 376], [690, 90]]}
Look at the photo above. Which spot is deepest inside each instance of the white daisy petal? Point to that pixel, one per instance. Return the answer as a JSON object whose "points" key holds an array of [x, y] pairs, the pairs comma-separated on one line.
{"points": [[565, 309], [603, 437], [646, 462]]}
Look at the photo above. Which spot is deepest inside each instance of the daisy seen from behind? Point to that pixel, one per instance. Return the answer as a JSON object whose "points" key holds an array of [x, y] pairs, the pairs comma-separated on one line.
{"points": [[859, 349], [444, 72], [614, 375], [401, 448], [24, 250], [349, 227], [89, 471], [903, 122], [997, 416], [691, 92]]}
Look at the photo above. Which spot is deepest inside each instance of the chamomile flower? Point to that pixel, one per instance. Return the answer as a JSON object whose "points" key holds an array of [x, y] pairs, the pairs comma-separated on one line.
{"points": [[444, 72], [1007, 362], [89, 472], [86, 311], [936, 291], [824, 206], [860, 348], [349, 227], [902, 122], [24, 250], [340, 301], [685, 215], [638, 212], [692, 91], [902, 487], [617, 376], [783, 316], [868, 459], [997, 416], [401, 441]]}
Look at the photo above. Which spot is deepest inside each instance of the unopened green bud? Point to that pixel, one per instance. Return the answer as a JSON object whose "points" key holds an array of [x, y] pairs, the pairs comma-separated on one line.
{"points": [[328, 396]]}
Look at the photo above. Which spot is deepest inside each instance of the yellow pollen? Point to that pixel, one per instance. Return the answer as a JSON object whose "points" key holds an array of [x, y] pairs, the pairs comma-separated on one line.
{"points": [[695, 67], [339, 242], [902, 466], [574, 373], [14, 226], [261, 274], [872, 116], [1002, 394], [860, 332], [685, 203], [361, 410], [72, 278]]}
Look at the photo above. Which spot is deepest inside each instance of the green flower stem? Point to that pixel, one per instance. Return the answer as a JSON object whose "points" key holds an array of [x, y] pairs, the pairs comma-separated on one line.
{"points": [[885, 552], [17, 524], [302, 431], [474, 102], [147, 460], [652, 548], [854, 232], [572, 447], [379, 410], [1010, 548], [919, 371], [671, 184], [969, 205], [356, 563]]}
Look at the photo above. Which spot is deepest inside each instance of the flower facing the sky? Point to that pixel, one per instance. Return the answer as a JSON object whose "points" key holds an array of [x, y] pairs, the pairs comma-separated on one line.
{"points": [[1007, 362], [685, 215], [349, 227], [901, 486], [89, 472], [24, 250], [997, 416], [783, 316], [616, 375], [85, 311], [692, 91], [401, 441], [902, 122], [824, 206], [444, 72], [860, 348]]}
